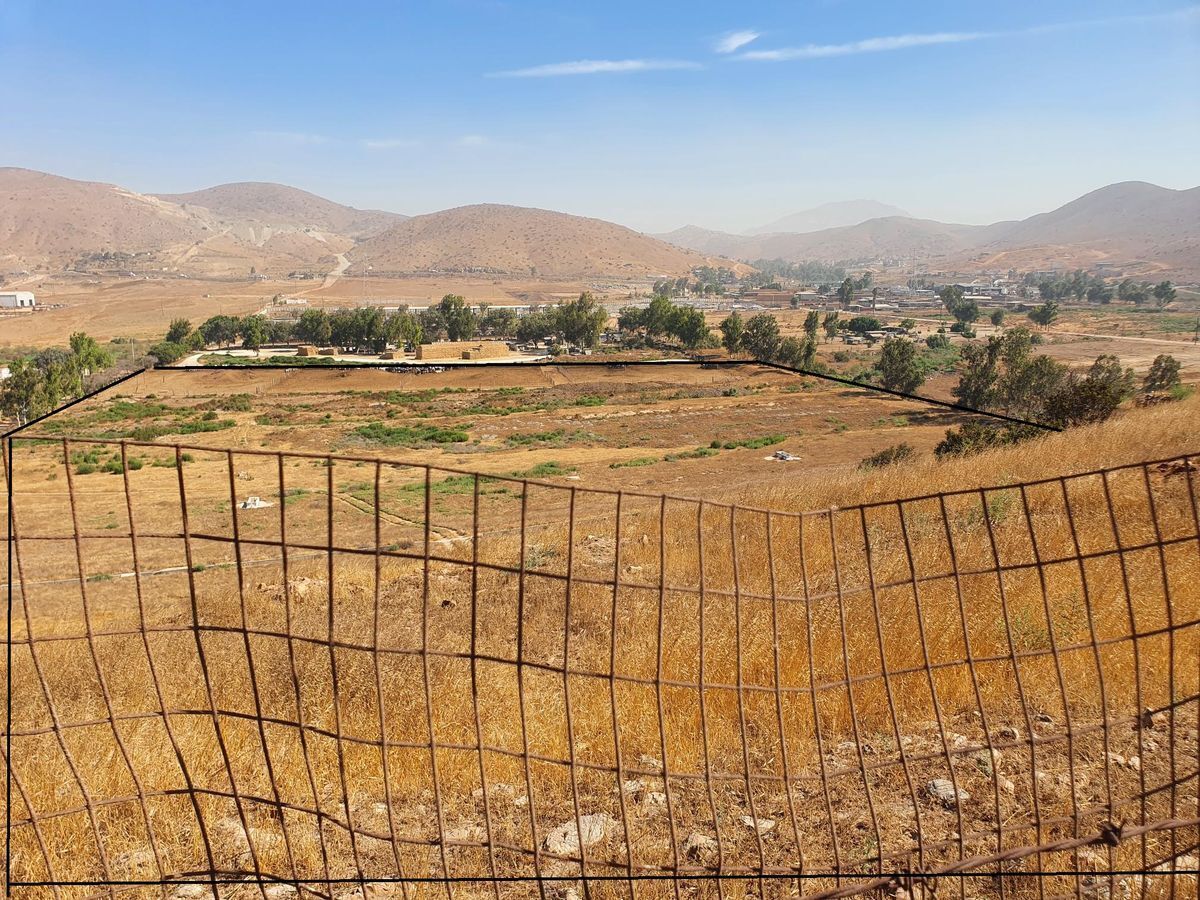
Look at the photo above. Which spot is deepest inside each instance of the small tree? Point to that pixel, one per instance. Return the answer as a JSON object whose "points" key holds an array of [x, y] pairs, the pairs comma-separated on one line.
{"points": [[1164, 293], [458, 316], [688, 325], [733, 332], [1163, 374], [812, 323], [898, 366], [219, 330], [580, 321], [797, 353], [830, 325], [179, 329], [997, 317], [1045, 314], [845, 292], [254, 332], [937, 342], [1094, 397], [762, 336]]}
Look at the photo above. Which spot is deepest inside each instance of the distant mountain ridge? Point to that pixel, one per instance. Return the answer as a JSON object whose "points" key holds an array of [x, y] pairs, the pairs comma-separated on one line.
{"points": [[830, 215], [50, 223], [1131, 224]]}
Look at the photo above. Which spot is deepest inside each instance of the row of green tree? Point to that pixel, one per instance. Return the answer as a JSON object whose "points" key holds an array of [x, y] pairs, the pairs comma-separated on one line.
{"points": [[1080, 286], [371, 329]]}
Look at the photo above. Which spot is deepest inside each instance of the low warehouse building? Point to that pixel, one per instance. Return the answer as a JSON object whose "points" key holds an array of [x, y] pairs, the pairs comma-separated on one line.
{"points": [[17, 300]]}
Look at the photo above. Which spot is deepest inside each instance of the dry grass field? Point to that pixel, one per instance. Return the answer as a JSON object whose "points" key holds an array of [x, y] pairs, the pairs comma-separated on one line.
{"points": [[321, 689]]}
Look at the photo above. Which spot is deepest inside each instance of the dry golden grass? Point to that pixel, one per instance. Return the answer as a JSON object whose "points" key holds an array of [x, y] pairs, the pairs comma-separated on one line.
{"points": [[775, 679]]}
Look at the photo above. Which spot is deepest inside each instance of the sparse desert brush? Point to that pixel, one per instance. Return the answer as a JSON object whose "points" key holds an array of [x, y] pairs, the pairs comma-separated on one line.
{"points": [[878, 684]]}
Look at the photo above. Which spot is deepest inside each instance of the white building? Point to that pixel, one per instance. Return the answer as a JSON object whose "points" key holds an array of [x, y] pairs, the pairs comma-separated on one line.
{"points": [[17, 300]]}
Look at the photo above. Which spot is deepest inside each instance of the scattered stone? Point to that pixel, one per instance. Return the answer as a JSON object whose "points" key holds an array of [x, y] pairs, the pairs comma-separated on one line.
{"points": [[570, 837], [942, 790], [1043, 719], [988, 761], [1152, 719], [1135, 763], [467, 833], [634, 786], [1007, 785], [191, 892], [1010, 732], [700, 848], [761, 825], [654, 798], [280, 892], [1116, 759], [649, 762], [521, 801]]}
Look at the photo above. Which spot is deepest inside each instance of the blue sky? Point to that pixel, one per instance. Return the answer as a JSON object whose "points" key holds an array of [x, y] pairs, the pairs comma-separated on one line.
{"points": [[652, 114]]}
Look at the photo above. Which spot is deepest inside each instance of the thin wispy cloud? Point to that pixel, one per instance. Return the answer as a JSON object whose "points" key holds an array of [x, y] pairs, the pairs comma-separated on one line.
{"points": [[388, 143], [596, 67], [295, 138], [472, 140], [735, 40], [908, 41], [868, 45]]}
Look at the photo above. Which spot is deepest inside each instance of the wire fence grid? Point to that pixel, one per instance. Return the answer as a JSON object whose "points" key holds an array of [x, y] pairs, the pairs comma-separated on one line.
{"points": [[248, 673]]}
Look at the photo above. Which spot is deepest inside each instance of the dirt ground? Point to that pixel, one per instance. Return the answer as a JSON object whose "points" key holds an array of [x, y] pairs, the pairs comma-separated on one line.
{"points": [[597, 427]]}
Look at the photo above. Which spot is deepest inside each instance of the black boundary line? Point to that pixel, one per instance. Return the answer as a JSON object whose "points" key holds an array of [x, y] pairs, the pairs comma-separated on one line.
{"points": [[449, 364], [88, 396], [930, 400], [653, 876], [618, 364]]}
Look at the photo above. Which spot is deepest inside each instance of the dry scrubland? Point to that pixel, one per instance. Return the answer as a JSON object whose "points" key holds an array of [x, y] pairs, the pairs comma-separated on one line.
{"points": [[585, 642]]}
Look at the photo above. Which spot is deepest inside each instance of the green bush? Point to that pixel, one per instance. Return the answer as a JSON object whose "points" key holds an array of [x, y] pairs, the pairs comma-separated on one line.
{"points": [[634, 463], [410, 435], [888, 456]]}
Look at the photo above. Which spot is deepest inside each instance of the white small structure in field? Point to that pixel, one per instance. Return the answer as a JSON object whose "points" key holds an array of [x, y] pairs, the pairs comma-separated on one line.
{"points": [[17, 300], [254, 503]]}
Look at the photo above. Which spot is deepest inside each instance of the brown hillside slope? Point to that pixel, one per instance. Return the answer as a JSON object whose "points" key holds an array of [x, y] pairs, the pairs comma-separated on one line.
{"points": [[281, 205], [519, 240], [47, 218], [50, 222]]}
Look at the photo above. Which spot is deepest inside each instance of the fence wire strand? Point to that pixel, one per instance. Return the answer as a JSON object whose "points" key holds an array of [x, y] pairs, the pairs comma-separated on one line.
{"points": [[240, 673]]}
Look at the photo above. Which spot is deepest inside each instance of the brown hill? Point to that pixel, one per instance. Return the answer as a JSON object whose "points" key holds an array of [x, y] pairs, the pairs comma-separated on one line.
{"points": [[518, 240], [47, 219], [50, 222], [279, 205], [1133, 225], [1122, 224]]}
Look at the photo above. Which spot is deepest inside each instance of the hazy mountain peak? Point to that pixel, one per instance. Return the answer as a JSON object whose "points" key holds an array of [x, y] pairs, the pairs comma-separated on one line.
{"points": [[830, 215]]}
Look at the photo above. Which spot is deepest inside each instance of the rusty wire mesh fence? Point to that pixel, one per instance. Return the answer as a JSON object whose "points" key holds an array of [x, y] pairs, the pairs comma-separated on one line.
{"points": [[258, 673]]}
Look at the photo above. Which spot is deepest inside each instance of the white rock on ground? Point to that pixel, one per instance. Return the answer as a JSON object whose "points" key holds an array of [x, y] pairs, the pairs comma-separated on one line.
{"points": [[569, 837], [700, 848], [942, 790], [761, 825]]}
